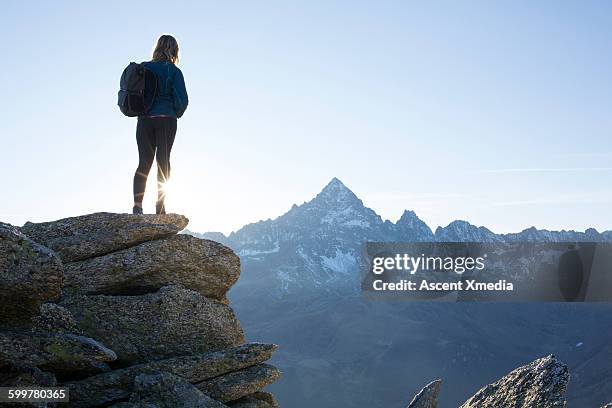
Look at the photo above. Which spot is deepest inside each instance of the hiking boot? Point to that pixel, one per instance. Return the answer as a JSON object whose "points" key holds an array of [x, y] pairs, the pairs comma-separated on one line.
{"points": [[137, 210], [160, 208]]}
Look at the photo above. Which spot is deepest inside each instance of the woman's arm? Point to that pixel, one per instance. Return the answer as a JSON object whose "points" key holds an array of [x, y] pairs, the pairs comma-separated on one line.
{"points": [[179, 94]]}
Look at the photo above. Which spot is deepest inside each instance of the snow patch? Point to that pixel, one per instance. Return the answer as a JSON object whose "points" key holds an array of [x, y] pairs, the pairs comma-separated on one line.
{"points": [[348, 216], [357, 223], [255, 252], [340, 263]]}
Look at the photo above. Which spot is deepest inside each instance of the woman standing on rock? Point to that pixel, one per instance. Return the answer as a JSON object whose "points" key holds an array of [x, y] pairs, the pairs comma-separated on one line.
{"points": [[156, 130]]}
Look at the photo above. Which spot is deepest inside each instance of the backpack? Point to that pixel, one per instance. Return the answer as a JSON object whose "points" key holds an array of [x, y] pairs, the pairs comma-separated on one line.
{"points": [[137, 90]]}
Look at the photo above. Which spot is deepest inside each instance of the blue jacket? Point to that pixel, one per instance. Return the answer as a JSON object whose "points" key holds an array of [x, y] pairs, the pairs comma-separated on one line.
{"points": [[171, 98]]}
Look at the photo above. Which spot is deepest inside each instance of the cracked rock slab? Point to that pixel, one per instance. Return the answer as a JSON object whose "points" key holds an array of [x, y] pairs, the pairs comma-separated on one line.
{"points": [[106, 388], [237, 384], [166, 390], [205, 266], [171, 322], [86, 236]]}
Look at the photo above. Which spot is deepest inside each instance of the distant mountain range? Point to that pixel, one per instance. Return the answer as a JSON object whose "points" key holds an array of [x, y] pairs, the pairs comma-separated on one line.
{"points": [[299, 288], [319, 242]]}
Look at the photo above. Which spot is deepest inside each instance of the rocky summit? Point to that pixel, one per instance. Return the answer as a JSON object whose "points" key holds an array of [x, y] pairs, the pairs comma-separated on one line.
{"points": [[126, 312], [427, 397], [539, 384], [92, 235]]}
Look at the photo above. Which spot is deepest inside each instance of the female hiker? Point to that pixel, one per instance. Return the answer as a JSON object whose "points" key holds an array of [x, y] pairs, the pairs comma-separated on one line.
{"points": [[156, 130]]}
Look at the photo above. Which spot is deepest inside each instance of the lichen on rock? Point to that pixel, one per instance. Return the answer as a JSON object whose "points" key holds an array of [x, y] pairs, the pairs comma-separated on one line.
{"points": [[30, 274], [173, 321], [166, 390], [63, 354], [54, 318]]}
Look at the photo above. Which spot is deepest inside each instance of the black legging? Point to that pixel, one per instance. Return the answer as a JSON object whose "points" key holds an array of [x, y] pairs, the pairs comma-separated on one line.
{"points": [[155, 137]]}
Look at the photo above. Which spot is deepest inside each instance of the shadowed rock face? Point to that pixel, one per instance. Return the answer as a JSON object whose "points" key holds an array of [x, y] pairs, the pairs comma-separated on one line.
{"points": [[30, 275], [23, 375], [167, 390], [541, 384], [173, 321], [18, 375], [258, 399], [202, 265], [427, 397], [238, 384], [59, 353], [118, 384], [86, 236]]}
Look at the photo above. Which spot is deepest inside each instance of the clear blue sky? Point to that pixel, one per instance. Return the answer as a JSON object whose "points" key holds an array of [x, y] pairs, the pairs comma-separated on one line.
{"points": [[498, 113]]}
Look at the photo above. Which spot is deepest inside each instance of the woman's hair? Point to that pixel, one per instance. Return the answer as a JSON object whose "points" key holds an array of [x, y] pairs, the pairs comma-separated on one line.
{"points": [[167, 49]]}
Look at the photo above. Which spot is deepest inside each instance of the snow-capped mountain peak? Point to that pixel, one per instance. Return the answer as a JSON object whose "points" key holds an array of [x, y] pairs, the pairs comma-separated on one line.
{"points": [[319, 242], [335, 193], [411, 228]]}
